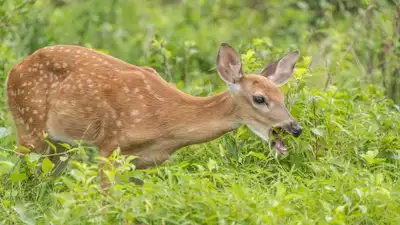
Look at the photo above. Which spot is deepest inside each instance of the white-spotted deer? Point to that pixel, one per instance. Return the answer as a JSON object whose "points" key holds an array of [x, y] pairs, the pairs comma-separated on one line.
{"points": [[74, 93]]}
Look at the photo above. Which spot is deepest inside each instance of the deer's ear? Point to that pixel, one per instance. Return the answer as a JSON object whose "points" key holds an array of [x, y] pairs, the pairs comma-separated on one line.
{"points": [[229, 65], [280, 71]]}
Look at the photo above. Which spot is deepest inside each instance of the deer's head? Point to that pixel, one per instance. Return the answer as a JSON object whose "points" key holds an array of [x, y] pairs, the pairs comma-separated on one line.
{"points": [[259, 101]]}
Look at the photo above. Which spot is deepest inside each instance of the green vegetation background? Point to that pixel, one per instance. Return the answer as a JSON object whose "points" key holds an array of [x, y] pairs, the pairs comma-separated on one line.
{"points": [[344, 169]]}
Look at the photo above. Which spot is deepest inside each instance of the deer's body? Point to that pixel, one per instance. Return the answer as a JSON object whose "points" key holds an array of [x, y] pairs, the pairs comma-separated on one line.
{"points": [[74, 93]]}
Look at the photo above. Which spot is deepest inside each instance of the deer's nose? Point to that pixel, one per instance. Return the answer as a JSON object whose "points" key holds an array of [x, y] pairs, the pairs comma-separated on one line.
{"points": [[296, 130]]}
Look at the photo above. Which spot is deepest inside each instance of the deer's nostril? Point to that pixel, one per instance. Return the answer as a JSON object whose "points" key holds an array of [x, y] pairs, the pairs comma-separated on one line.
{"points": [[296, 130]]}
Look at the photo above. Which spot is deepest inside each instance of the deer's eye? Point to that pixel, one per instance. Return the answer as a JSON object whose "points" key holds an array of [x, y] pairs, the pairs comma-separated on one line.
{"points": [[259, 99]]}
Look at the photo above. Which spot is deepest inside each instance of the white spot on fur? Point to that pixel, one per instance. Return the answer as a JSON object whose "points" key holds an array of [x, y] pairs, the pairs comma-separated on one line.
{"points": [[160, 99], [134, 112], [119, 123], [122, 138]]}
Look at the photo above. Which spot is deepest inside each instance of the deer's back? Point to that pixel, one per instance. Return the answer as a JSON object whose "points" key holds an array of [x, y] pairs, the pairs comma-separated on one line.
{"points": [[74, 92]]}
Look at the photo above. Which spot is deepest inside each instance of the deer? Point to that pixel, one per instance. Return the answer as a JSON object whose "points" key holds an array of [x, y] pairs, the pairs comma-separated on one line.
{"points": [[71, 93]]}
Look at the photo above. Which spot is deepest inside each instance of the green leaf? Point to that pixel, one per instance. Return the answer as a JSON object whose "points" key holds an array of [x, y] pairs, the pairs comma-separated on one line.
{"points": [[23, 148], [371, 157], [65, 145], [33, 157], [212, 164], [257, 155], [24, 214], [15, 177], [68, 182], [242, 133], [363, 208], [47, 165], [280, 190], [4, 132], [51, 145], [77, 175], [5, 167], [317, 131]]}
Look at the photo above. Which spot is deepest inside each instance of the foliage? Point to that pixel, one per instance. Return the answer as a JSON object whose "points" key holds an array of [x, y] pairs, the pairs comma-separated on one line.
{"points": [[342, 170]]}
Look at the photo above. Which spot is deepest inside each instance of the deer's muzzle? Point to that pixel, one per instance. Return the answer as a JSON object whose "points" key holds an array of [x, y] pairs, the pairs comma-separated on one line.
{"points": [[293, 128]]}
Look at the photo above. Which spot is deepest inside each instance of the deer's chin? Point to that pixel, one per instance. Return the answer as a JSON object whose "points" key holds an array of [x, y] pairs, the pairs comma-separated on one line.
{"points": [[279, 145]]}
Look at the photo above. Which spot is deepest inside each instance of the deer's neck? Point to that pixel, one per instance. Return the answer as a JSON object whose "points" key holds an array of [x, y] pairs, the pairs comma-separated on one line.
{"points": [[200, 119]]}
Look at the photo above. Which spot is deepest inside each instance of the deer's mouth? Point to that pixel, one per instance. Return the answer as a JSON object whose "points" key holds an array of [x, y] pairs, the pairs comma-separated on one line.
{"points": [[279, 145], [278, 132]]}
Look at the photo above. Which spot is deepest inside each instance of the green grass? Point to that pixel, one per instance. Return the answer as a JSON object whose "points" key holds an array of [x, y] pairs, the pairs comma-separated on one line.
{"points": [[235, 179], [343, 169]]}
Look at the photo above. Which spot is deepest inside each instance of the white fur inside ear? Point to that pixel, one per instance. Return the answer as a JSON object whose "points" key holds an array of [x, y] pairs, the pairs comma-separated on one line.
{"points": [[284, 69], [234, 88], [285, 65]]}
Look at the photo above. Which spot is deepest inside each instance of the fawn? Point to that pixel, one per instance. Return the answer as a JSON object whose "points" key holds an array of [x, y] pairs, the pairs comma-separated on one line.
{"points": [[75, 93]]}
